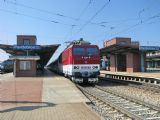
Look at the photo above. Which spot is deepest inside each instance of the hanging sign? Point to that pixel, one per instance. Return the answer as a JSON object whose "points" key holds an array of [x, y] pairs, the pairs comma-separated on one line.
{"points": [[27, 47], [149, 48]]}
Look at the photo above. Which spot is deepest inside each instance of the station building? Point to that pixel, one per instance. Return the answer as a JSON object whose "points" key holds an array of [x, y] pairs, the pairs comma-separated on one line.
{"points": [[125, 55], [29, 57], [153, 61]]}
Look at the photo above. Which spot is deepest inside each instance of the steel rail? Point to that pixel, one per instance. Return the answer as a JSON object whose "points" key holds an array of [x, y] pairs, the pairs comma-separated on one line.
{"points": [[130, 99], [112, 104], [147, 110]]}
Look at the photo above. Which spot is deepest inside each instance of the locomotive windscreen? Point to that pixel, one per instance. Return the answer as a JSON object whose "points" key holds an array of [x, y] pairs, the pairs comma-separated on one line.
{"points": [[78, 51], [92, 51], [85, 51]]}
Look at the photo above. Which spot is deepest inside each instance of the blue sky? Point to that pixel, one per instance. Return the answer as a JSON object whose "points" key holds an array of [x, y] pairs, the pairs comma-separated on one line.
{"points": [[57, 21]]}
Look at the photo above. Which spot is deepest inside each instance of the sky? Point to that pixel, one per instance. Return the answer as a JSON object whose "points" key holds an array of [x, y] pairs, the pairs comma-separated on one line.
{"points": [[60, 21]]}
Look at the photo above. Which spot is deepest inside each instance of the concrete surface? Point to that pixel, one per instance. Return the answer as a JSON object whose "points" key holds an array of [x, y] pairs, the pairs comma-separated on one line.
{"points": [[61, 90], [74, 111], [46, 97]]}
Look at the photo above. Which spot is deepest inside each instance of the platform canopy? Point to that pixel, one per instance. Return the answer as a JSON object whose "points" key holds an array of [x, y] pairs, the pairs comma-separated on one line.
{"points": [[118, 48], [45, 52]]}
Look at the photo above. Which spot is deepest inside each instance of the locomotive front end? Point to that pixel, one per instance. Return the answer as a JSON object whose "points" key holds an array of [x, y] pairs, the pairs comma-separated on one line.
{"points": [[86, 63]]}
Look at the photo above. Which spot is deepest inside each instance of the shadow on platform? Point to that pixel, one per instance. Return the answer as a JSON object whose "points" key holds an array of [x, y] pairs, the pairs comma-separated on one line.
{"points": [[45, 73], [22, 105]]}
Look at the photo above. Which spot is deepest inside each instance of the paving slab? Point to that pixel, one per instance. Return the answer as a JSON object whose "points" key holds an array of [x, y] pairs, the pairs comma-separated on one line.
{"points": [[74, 111], [61, 90], [45, 97]]}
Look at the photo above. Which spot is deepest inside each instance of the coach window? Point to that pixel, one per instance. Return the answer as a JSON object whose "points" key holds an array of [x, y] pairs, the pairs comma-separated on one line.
{"points": [[92, 51], [78, 51], [25, 65]]}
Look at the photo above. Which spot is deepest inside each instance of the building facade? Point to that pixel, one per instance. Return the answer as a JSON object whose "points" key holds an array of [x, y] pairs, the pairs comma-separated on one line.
{"points": [[153, 61], [29, 57], [125, 55], [25, 65]]}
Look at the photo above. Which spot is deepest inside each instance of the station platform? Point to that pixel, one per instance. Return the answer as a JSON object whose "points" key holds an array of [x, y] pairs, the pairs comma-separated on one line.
{"points": [[45, 97], [136, 74]]}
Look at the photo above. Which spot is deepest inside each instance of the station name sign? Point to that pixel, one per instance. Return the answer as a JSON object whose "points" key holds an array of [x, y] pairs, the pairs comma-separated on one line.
{"points": [[27, 47], [149, 48]]}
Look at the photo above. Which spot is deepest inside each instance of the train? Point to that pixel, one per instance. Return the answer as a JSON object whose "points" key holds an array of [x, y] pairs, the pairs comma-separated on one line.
{"points": [[6, 66], [80, 61]]}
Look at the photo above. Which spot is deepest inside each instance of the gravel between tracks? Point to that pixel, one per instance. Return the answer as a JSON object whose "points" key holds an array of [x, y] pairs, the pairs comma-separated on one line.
{"points": [[141, 94]]}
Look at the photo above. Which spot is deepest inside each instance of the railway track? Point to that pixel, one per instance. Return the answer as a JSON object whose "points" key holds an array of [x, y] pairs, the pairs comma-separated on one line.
{"points": [[146, 86], [111, 106], [133, 91]]}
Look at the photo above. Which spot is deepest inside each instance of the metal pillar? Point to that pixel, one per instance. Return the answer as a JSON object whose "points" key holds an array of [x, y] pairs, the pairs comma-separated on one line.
{"points": [[14, 67], [142, 62], [115, 62]]}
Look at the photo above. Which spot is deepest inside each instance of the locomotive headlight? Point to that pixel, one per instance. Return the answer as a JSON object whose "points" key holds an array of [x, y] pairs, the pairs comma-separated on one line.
{"points": [[94, 67], [76, 67]]}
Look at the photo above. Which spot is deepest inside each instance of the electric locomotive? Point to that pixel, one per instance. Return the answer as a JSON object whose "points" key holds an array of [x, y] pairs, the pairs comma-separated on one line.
{"points": [[80, 61]]}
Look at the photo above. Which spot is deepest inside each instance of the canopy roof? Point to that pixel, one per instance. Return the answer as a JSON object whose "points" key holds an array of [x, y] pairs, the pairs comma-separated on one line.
{"points": [[45, 52], [118, 48]]}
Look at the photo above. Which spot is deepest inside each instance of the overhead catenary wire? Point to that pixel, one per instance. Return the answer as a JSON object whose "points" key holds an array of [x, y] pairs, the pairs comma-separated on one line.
{"points": [[140, 22], [140, 19], [81, 14], [68, 35], [153, 22], [34, 17], [101, 24], [85, 24], [146, 8], [46, 11], [84, 10], [137, 24], [38, 9], [90, 20]]}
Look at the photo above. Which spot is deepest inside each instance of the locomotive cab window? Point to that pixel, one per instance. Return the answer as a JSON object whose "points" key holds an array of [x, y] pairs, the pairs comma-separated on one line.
{"points": [[78, 51], [92, 51]]}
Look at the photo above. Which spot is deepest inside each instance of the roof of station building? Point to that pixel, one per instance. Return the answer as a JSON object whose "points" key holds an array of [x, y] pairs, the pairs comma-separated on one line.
{"points": [[119, 48], [45, 51]]}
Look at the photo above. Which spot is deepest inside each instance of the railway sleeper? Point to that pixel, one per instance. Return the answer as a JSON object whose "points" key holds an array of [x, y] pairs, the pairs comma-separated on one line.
{"points": [[120, 102], [131, 107], [153, 118], [141, 109], [148, 113]]}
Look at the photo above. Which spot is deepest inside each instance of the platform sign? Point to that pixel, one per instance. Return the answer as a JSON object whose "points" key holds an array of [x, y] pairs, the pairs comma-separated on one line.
{"points": [[149, 48], [24, 57], [27, 47]]}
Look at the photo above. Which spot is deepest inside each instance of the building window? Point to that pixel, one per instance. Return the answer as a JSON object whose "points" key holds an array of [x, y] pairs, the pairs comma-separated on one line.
{"points": [[26, 42], [25, 65], [158, 64]]}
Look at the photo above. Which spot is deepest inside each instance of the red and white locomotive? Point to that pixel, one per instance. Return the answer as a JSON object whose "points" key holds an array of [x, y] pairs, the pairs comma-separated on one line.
{"points": [[80, 61]]}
